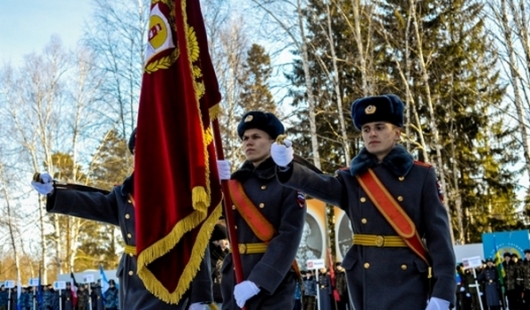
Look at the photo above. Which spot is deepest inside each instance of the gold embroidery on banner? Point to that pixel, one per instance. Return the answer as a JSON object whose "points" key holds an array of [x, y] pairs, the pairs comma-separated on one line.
{"points": [[166, 61], [162, 63]]}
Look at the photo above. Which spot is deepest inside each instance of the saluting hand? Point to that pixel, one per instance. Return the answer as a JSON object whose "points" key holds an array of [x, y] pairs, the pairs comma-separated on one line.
{"points": [[42, 183], [282, 154]]}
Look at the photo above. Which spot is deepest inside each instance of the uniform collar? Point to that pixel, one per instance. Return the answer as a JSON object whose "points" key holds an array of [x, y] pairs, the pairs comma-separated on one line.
{"points": [[128, 186], [265, 170], [399, 161]]}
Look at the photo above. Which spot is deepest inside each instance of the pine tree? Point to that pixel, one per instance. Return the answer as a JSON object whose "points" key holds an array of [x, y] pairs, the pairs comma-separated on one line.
{"points": [[111, 165], [450, 48], [257, 71]]}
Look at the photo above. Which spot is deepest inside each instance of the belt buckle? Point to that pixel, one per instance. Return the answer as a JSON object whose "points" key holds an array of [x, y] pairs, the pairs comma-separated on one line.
{"points": [[379, 241], [242, 248]]}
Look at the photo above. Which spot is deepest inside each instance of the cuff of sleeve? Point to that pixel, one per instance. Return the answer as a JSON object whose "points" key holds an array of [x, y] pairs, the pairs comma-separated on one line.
{"points": [[284, 173]]}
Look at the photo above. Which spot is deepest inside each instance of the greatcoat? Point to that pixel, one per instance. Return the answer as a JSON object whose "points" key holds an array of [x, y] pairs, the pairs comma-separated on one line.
{"points": [[382, 278], [271, 271]]}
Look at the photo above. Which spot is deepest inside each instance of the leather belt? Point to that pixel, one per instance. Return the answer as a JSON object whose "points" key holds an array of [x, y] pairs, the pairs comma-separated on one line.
{"points": [[130, 249], [252, 248], [379, 241]]}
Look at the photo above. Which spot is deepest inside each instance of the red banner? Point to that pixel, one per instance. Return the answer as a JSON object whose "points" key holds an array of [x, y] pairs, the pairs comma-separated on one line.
{"points": [[177, 190]]}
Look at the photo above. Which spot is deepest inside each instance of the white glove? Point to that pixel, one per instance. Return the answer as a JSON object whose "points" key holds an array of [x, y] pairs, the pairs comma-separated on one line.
{"points": [[243, 291], [437, 304], [282, 154], [44, 185], [223, 166], [199, 306]]}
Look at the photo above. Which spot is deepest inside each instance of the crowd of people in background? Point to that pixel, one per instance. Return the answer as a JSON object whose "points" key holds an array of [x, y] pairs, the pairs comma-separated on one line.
{"points": [[327, 292], [46, 298], [502, 286]]}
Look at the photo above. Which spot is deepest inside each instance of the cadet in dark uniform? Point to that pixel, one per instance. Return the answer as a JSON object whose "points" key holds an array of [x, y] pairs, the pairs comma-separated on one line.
{"points": [[310, 291], [66, 298], [510, 270], [82, 298], [111, 297], [117, 208], [492, 289], [4, 295], [270, 281], [382, 271]]}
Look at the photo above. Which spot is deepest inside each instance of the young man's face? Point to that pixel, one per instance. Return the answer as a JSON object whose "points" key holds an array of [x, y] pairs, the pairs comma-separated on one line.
{"points": [[380, 138], [256, 145]]}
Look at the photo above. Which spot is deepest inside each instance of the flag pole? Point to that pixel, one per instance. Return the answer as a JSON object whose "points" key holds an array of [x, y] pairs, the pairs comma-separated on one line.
{"points": [[229, 216]]}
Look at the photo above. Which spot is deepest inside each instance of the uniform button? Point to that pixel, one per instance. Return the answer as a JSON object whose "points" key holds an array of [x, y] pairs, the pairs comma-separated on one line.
{"points": [[131, 254], [262, 205], [401, 178], [129, 235], [263, 187], [233, 207], [400, 198], [403, 267], [127, 216], [366, 265], [129, 201], [363, 199], [131, 272], [235, 226], [364, 221]]}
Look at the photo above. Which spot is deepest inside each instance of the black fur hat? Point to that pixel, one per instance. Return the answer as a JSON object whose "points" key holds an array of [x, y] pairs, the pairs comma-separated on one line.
{"points": [[265, 121], [132, 141], [219, 233], [386, 108]]}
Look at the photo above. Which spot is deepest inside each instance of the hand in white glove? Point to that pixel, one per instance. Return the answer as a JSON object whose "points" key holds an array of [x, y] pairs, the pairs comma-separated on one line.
{"points": [[223, 166], [243, 291], [199, 306], [437, 304], [282, 154], [43, 184]]}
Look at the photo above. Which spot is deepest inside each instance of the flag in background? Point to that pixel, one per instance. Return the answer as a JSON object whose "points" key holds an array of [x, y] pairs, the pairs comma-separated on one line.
{"points": [[177, 190], [498, 263], [104, 281], [74, 287]]}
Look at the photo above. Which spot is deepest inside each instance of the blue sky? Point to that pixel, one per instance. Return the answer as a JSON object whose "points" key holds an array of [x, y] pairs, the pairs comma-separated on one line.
{"points": [[27, 25]]}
